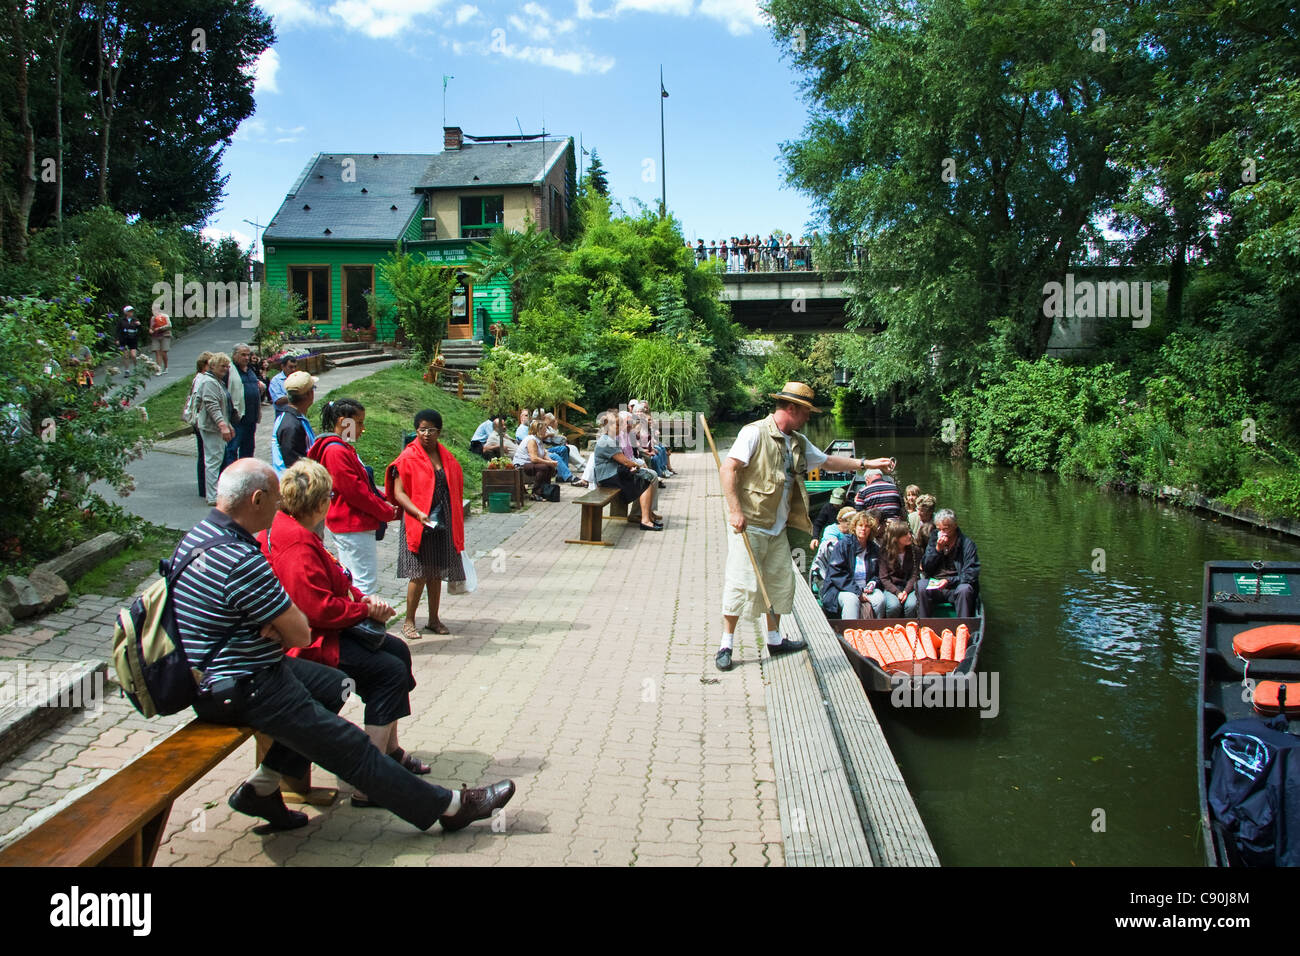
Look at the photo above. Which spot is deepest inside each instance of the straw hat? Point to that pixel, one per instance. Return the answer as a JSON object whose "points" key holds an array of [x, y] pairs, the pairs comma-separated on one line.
{"points": [[796, 392]]}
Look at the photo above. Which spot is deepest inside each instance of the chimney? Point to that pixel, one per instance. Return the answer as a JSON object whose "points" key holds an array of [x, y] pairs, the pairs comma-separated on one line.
{"points": [[451, 137]]}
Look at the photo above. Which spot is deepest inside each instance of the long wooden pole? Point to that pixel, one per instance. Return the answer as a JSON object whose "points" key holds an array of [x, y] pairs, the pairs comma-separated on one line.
{"points": [[749, 549]]}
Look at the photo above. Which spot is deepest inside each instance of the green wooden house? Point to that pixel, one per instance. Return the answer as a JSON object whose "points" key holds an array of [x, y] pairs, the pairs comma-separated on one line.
{"points": [[347, 211]]}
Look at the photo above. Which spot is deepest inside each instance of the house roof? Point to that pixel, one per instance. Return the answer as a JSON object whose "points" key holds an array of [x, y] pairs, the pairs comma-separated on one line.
{"points": [[492, 164], [363, 209], [321, 198]]}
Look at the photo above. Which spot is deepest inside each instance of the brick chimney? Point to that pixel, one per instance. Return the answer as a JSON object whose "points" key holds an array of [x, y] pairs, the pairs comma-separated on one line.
{"points": [[451, 137]]}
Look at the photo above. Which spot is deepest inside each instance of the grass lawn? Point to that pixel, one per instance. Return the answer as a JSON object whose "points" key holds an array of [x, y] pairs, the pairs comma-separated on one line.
{"points": [[392, 397], [164, 411], [120, 575]]}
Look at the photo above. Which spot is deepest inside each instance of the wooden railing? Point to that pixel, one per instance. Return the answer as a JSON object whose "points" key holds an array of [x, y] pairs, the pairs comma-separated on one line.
{"points": [[562, 420], [433, 375]]}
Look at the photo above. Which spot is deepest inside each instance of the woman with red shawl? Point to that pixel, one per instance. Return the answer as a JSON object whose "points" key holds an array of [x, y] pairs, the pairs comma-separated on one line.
{"points": [[426, 482]]}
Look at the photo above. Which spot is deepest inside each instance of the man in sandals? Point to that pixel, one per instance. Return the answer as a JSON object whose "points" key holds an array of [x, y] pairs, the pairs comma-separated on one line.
{"points": [[763, 480]]}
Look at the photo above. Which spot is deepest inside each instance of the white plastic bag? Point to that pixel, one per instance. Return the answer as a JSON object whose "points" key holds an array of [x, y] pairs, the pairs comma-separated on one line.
{"points": [[470, 584]]}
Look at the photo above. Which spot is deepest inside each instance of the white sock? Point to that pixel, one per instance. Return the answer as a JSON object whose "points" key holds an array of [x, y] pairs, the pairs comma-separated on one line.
{"points": [[774, 637], [454, 806], [264, 781], [726, 641]]}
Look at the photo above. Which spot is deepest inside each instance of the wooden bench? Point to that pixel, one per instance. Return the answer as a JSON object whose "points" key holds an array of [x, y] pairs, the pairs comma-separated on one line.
{"points": [[121, 821], [593, 504]]}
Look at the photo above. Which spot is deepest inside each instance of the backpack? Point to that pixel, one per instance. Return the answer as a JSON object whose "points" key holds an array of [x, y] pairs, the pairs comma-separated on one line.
{"points": [[550, 491], [1254, 791], [148, 655], [188, 413]]}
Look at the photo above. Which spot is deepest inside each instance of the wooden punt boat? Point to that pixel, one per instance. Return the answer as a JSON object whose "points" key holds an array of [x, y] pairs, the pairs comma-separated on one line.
{"points": [[875, 678], [1238, 596]]}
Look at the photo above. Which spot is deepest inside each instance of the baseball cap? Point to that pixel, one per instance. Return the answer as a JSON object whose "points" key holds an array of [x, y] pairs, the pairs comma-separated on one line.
{"points": [[299, 382]]}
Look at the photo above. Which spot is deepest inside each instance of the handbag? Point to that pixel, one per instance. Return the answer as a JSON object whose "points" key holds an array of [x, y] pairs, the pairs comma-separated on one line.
{"points": [[368, 632]]}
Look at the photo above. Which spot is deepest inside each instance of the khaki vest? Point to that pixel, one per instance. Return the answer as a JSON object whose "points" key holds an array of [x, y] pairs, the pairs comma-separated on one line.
{"points": [[762, 482]]}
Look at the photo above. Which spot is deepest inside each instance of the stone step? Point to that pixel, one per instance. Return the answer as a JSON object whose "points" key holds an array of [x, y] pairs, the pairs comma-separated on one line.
{"points": [[326, 347], [356, 349], [36, 695], [368, 358]]}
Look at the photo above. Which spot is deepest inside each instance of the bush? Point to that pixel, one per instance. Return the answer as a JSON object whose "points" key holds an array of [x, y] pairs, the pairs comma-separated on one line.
{"points": [[58, 438], [666, 373]]}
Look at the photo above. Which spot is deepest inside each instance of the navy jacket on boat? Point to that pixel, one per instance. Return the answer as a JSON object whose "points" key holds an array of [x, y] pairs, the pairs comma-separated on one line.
{"points": [[843, 561]]}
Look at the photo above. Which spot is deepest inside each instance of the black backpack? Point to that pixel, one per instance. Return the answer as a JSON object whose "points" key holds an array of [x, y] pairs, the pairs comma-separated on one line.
{"points": [[550, 491], [1254, 791]]}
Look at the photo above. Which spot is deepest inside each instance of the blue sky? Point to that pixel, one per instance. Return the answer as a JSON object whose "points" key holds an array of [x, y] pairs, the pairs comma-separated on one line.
{"points": [[366, 75]]}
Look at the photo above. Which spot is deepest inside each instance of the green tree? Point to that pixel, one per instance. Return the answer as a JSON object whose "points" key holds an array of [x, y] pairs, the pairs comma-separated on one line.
{"points": [[597, 180], [421, 293], [526, 259]]}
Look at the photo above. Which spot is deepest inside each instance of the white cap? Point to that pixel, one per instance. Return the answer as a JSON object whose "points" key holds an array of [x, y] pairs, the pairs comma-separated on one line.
{"points": [[127, 308]]}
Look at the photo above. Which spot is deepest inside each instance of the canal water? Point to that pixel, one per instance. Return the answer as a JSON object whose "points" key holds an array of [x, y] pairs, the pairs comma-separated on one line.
{"points": [[1091, 758]]}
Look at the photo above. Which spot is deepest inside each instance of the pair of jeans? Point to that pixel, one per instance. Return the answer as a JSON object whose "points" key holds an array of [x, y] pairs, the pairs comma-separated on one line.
{"points": [[851, 604], [297, 702], [560, 455], [244, 442], [895, 608]]}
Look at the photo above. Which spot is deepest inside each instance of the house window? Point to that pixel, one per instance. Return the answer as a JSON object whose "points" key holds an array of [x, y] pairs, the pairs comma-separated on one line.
{"points": [[480, 216], [357, 281], [312, 285]]}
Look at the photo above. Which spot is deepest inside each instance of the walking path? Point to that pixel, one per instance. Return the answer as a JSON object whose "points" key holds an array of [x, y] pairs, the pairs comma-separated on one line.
{"points": [[586, 674]]}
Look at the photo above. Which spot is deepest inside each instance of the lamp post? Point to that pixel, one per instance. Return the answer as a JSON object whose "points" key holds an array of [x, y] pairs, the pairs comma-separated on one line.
{"points": [[663, 180]]}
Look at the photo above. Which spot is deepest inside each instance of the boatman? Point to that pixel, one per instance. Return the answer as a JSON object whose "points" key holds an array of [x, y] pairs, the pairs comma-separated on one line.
{"points": [[763, 479]]}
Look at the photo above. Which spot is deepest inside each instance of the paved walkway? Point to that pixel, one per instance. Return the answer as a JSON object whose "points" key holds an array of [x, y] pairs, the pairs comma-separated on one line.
{"points": [[586, 674]]}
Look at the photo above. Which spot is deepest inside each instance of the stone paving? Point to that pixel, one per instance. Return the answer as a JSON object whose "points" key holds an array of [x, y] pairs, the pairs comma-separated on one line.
{"points": [[584, 673]]}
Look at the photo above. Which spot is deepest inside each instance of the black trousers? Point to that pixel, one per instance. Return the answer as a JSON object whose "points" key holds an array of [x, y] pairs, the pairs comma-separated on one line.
{"points": [[297, 702], [383, 677]]}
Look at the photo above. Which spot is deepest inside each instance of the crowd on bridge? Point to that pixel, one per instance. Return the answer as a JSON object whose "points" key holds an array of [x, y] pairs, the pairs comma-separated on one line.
{"points": [[747, 253]]}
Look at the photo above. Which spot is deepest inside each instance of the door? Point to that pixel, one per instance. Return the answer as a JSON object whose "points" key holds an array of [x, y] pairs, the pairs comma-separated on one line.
{"points": [[357, 281], [461, 324]]}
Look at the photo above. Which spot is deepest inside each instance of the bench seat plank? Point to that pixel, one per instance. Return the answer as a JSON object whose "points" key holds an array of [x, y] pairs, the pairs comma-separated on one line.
{"points": [[118, 821]]}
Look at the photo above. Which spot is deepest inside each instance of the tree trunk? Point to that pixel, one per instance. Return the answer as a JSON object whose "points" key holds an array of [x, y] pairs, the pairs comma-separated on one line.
{"points": [[1177, 283], [107, 79], [27, 189]]}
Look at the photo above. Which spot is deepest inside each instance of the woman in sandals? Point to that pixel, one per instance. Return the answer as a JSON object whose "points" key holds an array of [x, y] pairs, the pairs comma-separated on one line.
{"points": [[322, 590], [426, 483]]}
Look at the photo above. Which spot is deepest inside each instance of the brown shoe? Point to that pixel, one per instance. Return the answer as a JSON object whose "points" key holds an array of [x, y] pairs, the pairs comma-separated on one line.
{"points": [[478, 804]]}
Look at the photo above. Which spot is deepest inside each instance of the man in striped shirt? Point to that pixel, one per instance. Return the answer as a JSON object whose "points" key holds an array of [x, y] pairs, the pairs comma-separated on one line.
{"points": [[229, 598]]}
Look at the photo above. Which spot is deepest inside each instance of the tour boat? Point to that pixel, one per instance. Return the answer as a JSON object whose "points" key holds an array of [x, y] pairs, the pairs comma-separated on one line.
{"points": [[1251, 608], [821, 483], [886, 678]]}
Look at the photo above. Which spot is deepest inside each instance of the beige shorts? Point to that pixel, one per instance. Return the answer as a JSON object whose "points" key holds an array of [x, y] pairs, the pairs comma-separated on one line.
{"points": [[740, 593]]}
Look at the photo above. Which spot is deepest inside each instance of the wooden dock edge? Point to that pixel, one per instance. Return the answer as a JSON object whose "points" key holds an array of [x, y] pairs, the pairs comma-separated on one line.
{"points": [[890, 821], [842, 798]]}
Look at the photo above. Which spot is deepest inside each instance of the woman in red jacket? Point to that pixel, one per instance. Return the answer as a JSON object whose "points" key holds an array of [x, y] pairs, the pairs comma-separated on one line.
{"points": [[357, 510], [320, 588], [426, 482]]}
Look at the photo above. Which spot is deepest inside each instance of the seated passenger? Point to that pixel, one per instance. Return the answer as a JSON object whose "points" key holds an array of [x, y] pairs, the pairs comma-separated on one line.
{"points": [[852, 586], [320, 588], [828, 514], [880, 492], [830, 537], [950, 558], [910, 496], [524, 421], [921, 521], [898, 571], [557, 449]]}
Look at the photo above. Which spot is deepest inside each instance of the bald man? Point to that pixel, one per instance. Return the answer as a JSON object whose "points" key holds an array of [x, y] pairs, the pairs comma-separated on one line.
{"points": [[236, 622]]}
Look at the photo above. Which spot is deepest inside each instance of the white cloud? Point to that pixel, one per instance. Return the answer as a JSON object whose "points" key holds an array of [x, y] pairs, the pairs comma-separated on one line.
{"points": [[571, 61], [739, 16], [252, 130], [265, 71], [292, 13], [382, 18], [680, 8], [537, 23], [465, 13]]}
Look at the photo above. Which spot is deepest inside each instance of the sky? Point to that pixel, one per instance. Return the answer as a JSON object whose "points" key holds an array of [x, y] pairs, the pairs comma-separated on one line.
{"points": [[366, 76]]}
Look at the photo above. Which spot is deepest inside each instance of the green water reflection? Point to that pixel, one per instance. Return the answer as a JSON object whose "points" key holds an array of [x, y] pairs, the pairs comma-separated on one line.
{"points": [[1096, 669]]}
